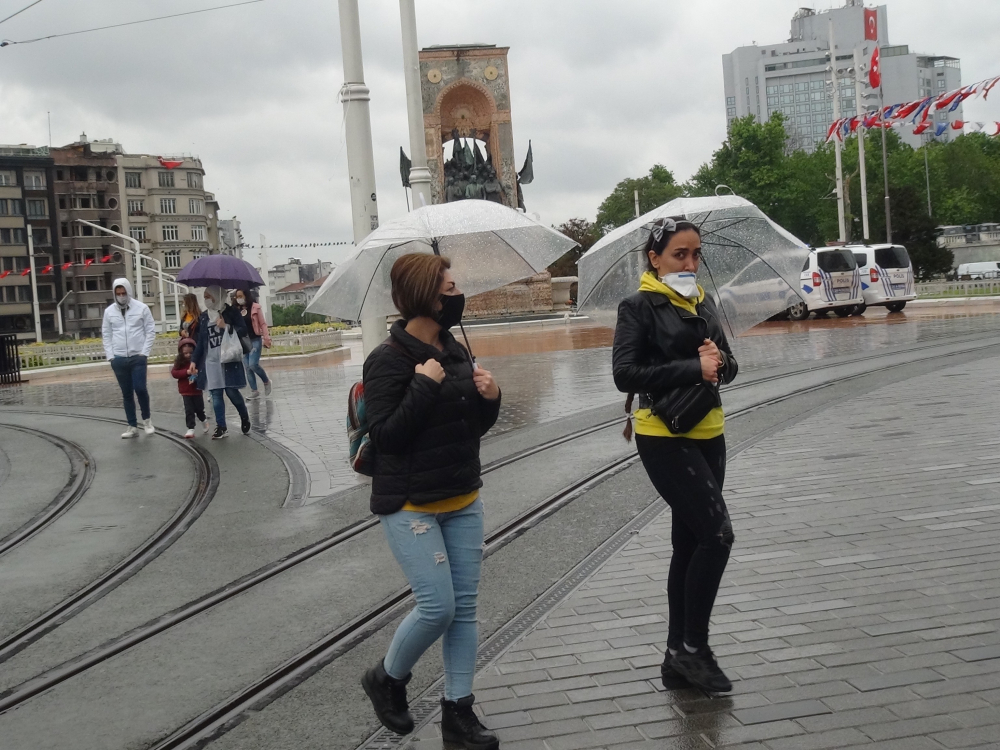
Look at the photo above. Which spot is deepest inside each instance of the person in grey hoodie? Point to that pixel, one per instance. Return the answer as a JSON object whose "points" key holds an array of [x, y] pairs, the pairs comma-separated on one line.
{"points": [[128, 333]]}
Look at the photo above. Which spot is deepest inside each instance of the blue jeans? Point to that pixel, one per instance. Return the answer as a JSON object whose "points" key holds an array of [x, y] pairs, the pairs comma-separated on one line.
{"points": [[219, 404], [441, 555], [131, 374], [251, 362]]}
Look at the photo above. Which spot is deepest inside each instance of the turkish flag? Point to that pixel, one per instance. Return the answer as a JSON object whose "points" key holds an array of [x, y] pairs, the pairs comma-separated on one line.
{"points": [[875, 70], [47, 270], [26, 271], [88, 261], [4, 275], [65, 266], [106, 259], [921, 128], [871, 24], [958, 125], [169, 163]]}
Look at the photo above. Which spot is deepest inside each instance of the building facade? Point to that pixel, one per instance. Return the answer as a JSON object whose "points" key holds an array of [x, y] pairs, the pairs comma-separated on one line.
{"points": [[230, 237], [971, 243], [794, 78], [27, 203], [301, 293], [296, 272], [86, 187]]}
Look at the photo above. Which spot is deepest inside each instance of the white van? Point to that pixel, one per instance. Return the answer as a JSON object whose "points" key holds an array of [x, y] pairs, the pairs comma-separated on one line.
{"points": [[976, 271], [830, 281], [886, 276]]}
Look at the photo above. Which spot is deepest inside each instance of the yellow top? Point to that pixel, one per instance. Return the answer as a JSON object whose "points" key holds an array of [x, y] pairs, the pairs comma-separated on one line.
{"points": [[448, 505], [714, 422]]}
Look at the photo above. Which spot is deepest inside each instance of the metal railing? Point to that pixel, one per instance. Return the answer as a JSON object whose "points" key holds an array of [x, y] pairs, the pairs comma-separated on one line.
{"points": [[165, 349], [986, 287], [10, 363]]}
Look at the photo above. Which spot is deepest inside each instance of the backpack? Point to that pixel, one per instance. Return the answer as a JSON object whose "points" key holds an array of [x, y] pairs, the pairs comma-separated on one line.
{"points": [[361, 452]]}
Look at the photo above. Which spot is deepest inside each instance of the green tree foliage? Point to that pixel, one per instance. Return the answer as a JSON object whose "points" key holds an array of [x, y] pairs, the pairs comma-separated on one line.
{"points": [[655, 189], [581, 231], [293, 315]]}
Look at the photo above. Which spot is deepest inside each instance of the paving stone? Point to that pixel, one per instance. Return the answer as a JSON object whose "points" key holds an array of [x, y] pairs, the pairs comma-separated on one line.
{"points": [[780, 711], [925, 725]]}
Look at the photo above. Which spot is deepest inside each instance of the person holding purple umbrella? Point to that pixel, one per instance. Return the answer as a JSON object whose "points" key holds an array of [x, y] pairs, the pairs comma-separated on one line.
{"points": [[215, 376]]}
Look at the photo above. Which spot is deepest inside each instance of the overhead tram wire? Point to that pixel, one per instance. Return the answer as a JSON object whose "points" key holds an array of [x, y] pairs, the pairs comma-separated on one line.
{"points": [[9, 42], [20, 11]]}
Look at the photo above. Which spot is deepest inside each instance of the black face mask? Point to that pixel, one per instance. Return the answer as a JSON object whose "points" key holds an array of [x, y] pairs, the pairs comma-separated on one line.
{"points": [[452, 307]]}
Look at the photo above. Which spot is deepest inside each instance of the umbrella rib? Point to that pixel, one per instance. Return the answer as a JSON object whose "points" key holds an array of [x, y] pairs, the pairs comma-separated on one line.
{"points": [[609, 269], [721, 305], [377, 265]]}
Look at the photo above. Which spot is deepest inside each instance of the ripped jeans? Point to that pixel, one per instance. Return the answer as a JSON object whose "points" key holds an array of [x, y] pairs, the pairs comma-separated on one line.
{"points": [[689, 475], [441, 555]]}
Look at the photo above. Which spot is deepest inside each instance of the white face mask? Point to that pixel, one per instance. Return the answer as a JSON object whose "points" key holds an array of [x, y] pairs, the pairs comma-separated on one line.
{"points": [[685, 284], [211, 304], [241, 301], [122, 299]]}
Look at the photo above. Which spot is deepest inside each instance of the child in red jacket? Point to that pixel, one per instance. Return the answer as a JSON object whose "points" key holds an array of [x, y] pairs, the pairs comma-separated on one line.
{"points": [[194, 403]]}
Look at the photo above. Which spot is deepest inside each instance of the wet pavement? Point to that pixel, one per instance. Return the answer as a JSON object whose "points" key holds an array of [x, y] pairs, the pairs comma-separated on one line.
{"points": [[861, 605], [547, 370]]}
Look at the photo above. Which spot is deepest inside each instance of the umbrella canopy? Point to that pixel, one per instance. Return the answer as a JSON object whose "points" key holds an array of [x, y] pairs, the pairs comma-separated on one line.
{"points": [[489, 245], [749, 264], [223, 270]]}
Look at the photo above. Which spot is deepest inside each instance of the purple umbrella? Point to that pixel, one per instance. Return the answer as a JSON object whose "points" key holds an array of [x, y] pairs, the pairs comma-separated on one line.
{"points": [[224, 270]]}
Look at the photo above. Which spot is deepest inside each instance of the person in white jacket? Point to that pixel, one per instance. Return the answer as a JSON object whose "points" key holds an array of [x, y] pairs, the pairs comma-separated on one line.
{"points": [[129, 332]]}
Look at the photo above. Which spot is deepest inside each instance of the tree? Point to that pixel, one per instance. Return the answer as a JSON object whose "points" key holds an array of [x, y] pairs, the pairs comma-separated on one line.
{"points": [[581, 231], [914, 229], [293, 315], [655, 189]]}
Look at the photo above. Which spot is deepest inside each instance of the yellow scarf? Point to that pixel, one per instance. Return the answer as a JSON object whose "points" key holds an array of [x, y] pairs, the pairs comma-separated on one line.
{"points": [[712, 425]]}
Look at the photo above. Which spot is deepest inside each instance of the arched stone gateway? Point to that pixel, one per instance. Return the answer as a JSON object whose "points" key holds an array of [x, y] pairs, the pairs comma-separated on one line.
{"points": [[466, 97]]}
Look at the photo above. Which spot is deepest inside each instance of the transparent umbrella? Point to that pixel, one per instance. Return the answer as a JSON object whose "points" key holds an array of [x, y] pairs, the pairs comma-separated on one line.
{"points": [[750, 265], [489, 245]]}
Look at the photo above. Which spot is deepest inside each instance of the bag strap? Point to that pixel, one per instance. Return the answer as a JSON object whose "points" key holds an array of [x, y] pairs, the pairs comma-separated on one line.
{"points": [[627, 432]]}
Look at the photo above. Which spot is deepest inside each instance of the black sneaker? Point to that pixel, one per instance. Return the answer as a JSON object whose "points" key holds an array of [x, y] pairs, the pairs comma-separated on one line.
{"points": [[220, 432], [701, 670], [672, 679], [388, 697], [461, 727], [245, 426]]}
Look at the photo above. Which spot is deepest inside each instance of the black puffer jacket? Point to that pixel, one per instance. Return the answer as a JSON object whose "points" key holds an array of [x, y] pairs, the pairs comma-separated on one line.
{"points": [[426, 434], [656, 345]]}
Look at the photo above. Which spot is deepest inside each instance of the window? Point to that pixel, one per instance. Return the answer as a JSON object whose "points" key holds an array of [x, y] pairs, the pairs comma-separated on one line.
{"points": [[137, 233], [135, 208], [40, 236], [146, 287], [65, 229], [83, 201], [941, 84], [62, 201], [24, 294], [34, 180], [37, 208], [168, 205], [195, 206], [892, 257], [93, 311], [12, 236], [45, 293], [133, 179], [772, 101], [836, 260], [166, 179], [172, 259], [730, 101], [91, 285], [7, 178], [198, 232], [730, 111], [194, 179], [170, 233]]}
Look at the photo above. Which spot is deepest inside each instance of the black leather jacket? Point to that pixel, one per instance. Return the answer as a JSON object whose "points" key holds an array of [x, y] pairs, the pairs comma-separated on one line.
{"points": [[656, 345]]}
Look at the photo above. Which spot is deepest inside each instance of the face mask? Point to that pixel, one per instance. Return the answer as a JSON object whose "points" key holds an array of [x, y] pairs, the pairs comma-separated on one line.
{"points": [[685, 284], [452, 307], [241, 300], [211, 304], [122, 299]]}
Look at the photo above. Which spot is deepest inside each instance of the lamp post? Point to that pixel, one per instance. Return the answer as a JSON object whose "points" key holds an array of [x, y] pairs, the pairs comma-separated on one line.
{"points": [[360, 160], [837, 144], [59, 318], [138, 267], [34, 285], [859, 97], [885, 169], [420, 176]]}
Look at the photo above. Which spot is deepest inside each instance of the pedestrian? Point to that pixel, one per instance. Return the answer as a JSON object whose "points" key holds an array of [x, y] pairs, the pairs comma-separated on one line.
{"points": [[128, 333], [214, 375], [253, 318], [671, 350], [189, 320], [194, 403], [428, 405]]}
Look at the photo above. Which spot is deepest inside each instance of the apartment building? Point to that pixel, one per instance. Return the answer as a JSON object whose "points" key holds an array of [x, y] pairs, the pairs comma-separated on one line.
{"points": [[87, 187], [168, 211], [296, 272], [26, 205], [230, 237]]}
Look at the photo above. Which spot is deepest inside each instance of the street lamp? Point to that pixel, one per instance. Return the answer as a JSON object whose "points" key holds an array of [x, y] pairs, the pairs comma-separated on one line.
{"points": [[161, 276], [59, 317], [34, 284]]}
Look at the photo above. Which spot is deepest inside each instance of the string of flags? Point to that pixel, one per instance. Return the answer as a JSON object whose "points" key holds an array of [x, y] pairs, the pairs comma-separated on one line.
{"points": [[244, 246], [918, 114], [64, 266]]}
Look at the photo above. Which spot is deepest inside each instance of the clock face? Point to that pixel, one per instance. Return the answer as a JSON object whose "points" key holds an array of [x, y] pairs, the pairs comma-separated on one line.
{"points": [[491, 73], [434, 75]]}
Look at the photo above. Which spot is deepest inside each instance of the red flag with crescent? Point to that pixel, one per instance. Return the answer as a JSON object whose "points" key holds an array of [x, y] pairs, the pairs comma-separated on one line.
{"points": [[65, 266], [921, 128], [169, 163], [875, 70], [4, 275], [871, 24], [47, 270], [26, 271]]}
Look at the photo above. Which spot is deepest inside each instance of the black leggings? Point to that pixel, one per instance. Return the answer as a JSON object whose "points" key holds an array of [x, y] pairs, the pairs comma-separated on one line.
{"points": [[689, 475]]}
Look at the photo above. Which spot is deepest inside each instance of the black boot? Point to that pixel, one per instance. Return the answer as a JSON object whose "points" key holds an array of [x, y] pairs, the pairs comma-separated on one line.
{"points": [[701, 670], [388, 696], [460, 727], [672, 679]]}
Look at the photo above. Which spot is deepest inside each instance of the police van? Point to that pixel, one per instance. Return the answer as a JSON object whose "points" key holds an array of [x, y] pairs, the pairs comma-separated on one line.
{"points": [[977, 271], [830, 281], [886, 276]]}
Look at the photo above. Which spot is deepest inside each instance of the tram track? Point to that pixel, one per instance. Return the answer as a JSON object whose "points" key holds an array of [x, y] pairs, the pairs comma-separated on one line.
{"points": [[201, 494], [221, 717], [81, 474]]}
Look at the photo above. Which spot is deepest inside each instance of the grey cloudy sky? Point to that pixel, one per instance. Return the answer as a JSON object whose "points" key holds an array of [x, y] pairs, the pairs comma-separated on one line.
{"points": [[603, 89]]}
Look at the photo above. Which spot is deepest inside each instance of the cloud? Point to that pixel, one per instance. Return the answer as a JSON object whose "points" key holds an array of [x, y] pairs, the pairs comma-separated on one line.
{"points": [[603, 90]]}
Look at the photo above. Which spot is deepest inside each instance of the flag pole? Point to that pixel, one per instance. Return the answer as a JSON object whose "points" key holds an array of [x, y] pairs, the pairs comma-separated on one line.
{"points": [[837, 144], [858, 92], [885, 166], [927, 173]]}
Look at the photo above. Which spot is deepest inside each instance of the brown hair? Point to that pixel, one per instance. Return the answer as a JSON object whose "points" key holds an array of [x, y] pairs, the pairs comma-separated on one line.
{"points": [[416, 283], [191, 304]]}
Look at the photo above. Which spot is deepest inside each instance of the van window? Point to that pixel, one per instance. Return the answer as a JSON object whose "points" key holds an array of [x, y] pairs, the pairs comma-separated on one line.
{"points": [[861, 258], [892, 257], [832, 261]]}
